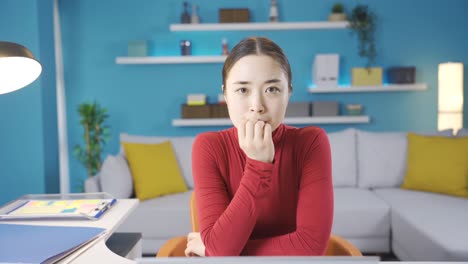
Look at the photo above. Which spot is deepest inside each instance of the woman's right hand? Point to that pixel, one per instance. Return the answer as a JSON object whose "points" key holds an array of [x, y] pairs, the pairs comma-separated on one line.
{"points": [[255, 139]]}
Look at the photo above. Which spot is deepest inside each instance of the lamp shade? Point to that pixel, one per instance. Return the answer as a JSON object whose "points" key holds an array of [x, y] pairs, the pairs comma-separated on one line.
{"points": [[18, 67], [450, 112]]}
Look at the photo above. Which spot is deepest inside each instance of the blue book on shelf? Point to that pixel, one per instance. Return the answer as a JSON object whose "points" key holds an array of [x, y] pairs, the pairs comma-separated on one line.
{"points": [[42, 244]]}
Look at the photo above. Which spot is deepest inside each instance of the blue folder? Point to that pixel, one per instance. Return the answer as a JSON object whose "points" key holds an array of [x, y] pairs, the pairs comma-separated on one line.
{"points": [[42, 244]]}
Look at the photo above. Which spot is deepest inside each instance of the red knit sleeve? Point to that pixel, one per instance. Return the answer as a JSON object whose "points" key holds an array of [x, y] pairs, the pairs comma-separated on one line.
{"points": [[315, 205], [225, 225]]}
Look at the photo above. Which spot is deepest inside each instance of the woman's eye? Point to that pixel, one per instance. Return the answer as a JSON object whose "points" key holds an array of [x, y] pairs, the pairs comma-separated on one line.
{"points": [[241, 90], [272, 90]]}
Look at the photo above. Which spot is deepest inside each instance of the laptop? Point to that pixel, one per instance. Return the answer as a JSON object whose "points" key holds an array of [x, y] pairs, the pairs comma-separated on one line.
{"points": [[262, 260]]}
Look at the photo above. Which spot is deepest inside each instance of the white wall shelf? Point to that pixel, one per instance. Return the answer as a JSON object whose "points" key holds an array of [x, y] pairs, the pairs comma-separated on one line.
{"points": [[361, 89], [197, 122], [170, 59], [260, 26]]}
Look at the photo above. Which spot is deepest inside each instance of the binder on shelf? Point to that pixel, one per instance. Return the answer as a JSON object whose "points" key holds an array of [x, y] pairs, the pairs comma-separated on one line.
{"points": [[325, 70], [89, 206], [43, 244]]}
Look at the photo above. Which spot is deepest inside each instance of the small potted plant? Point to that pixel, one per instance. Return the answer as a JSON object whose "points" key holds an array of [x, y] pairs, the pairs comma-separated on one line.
{"points": [[362, 23], [95, 134], [337, 13]]}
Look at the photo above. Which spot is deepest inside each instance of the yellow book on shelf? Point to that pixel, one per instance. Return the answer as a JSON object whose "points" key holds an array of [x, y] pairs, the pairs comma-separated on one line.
{"points": [[196, 103]]}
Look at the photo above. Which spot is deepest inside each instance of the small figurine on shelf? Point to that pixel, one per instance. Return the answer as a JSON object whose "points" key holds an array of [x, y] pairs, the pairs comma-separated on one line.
{"points": [[273, 11], [194, 19], [185, 48], [225, 47], [185, 17]]}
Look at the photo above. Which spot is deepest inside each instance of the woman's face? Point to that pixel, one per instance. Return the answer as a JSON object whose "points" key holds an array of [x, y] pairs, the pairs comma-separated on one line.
{"points": [[257, 89]]}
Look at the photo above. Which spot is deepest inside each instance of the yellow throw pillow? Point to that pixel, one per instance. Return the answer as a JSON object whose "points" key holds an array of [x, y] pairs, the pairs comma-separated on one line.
{"points": [[437, 164], [154, 169]]}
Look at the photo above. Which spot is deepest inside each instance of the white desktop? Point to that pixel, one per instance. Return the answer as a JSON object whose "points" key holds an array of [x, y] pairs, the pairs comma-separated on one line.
{"points": [[97, 251]]}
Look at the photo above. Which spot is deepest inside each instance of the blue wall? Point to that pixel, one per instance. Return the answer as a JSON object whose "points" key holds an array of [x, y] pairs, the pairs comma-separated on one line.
{"points": [[27, 139], [143, 99]]}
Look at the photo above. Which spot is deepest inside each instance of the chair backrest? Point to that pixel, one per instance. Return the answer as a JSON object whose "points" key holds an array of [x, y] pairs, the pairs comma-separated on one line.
{"points": [[337, 246], [193, 213]]}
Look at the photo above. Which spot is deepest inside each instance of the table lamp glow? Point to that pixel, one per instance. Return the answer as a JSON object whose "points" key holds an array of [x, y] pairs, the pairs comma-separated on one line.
{"points": [[18, 67]]}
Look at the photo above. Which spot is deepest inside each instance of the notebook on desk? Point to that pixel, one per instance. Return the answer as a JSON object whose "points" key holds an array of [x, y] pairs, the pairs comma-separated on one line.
{"points": [[43, 244]]}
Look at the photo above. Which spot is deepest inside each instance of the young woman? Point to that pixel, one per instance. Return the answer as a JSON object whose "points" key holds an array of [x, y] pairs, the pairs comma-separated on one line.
{"points": [[262, 188]]}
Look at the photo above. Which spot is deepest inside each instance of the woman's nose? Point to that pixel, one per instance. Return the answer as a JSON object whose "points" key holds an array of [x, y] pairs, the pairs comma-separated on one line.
{"points": [[256, 106]]}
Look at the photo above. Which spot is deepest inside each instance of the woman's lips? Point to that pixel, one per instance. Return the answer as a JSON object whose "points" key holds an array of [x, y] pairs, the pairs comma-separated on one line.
{"points": [[253, 119]]}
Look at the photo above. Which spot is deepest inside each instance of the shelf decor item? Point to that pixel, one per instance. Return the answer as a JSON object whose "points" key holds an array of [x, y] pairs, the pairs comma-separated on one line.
{"points": [[137, 48], [219, 111], [194, 19], [363, 22], [196, 111], [96, 134], [221, 99], [196, 99], [401, 75], [234, 15], [224, 47], [185, 48], [337, 13], [325, 70], [298, 109], [354, 109], [273, 11], [366, 76], [324, 108], [185, 17]]}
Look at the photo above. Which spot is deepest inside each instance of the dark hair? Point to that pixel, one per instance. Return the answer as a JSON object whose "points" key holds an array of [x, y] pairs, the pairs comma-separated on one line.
{"points": [[257, 46]]}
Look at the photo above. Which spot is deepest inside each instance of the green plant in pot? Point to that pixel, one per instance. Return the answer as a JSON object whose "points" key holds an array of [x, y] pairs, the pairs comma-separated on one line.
{"points": [[337, 13], [362, 22], [96, 135]]}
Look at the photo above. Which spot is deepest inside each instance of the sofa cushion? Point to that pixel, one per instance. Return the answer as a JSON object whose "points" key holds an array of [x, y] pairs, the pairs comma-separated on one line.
{"points": [[163, 217], [92, 184], [115, 177], [359, 213], [428, 226], [381, 158], [343, 152], [182, 147], [154, 169], [437, 164], [462, 132]]}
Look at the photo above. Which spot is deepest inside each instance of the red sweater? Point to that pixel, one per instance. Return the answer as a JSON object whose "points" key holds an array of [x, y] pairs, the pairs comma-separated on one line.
{"points": [[248, 207]]}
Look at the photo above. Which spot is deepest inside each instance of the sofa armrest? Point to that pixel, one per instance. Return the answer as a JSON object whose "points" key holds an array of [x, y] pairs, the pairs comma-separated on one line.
{"points": [[92, 184], [174, 247]]}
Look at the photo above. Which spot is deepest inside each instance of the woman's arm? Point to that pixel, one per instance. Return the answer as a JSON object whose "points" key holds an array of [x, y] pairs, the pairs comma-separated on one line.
{"points": [[314, 209], [225, 225]]}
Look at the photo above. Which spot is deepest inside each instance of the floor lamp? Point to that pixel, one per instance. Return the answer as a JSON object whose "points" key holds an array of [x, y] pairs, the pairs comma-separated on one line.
{"points": [[450, 112], [18, 67]]}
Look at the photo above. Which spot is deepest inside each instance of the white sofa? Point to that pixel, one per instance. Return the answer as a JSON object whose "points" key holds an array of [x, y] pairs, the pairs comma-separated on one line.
{"points": [[371, 210]]}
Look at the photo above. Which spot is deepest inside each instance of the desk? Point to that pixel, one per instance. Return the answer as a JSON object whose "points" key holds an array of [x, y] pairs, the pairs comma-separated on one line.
{"points": [[96, 251]]}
